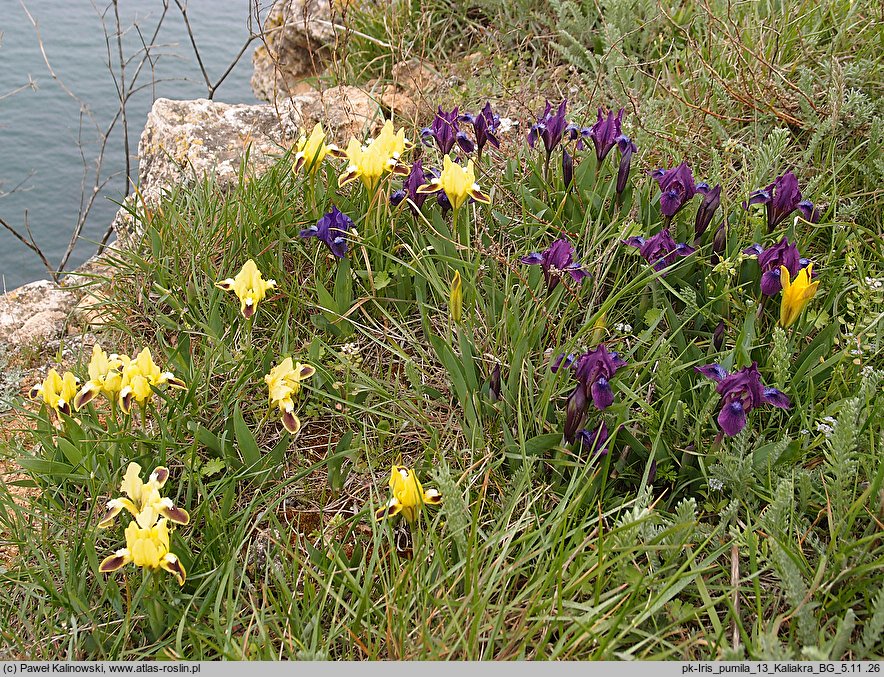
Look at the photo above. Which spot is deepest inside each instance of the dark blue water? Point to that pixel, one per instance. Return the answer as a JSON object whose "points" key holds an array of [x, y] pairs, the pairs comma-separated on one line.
{"points": [[46, 134]]}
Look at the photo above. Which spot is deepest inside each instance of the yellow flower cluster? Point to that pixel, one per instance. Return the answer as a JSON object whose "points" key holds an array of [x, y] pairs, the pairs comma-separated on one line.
{"points": [[57, 391], [123, 380], [147, 536], [370, 161]]}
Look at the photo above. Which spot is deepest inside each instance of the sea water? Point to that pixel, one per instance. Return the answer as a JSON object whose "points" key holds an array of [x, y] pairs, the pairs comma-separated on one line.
{"points": [[49, 140]]}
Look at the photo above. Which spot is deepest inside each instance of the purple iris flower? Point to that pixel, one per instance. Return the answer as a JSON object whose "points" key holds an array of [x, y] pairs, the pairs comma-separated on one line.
{"points": [[415, 179], [445, 131], [706, 210], [741, 392], [556, 261], [676, 188], [627, 148], [484, 127], [593, 371], [550, 127], [593, 441], [781, 254], [605, 132], [781, 198], [660, 250], [332, 230]]}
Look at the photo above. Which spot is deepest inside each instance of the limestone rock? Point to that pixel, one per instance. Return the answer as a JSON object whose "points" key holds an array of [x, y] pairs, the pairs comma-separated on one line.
{"points": [[35, 313], [184, 140], [343, 111], [298, 41]]}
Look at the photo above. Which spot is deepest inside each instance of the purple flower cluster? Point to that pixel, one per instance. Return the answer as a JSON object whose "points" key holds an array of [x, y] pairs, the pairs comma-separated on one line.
{"points": [[659, 250], [485, 125], [556, 261], [332, 230], [593, 371], [676, 188], [781, 254], [741, 392], [445, 131], [781, 198]]}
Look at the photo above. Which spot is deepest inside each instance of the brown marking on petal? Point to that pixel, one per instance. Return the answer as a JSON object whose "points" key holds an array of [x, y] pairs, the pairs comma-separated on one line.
{"points": [[479, 196], [226, 285], [113, 509], [394, 507], [434, 186], [432, 497], [85, 396], [126, 401], [160, 474], [299, 162], [291, 422], [36, 391], [348, 176], [401, 169], [336, 152], [248, 310], [173, 565], [116, 561], [175, 514], [175, 382], [307, 371], [64, 408]]}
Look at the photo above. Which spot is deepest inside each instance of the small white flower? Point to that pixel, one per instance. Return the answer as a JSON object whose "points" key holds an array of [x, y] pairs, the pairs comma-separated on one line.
{"points": [[504, 125], [716, 484]]}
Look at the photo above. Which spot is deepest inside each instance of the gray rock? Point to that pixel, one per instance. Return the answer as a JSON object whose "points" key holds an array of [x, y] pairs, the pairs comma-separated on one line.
{"points": [[35, 313], [298, 40]]}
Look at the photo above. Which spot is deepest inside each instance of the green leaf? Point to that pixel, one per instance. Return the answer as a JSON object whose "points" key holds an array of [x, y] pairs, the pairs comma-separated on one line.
{"points": [[43, 467], [212, 467], [541, 443], [71, 452], [245, 440]]}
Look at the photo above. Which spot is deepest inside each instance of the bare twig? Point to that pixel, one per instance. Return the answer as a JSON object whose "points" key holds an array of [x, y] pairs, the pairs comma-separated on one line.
{"points": [[30, 244], [212, 87]]}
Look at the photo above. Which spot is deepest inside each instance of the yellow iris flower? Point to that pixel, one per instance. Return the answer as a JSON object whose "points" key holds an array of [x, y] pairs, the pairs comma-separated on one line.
{"points": [[105, 376], [139, 376], [283, 385], [57, 391], [143, 499], [313, 149], [381, 155], [146, 547], [796, 294], [250, 287], [459, 183], [408, 495]]}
